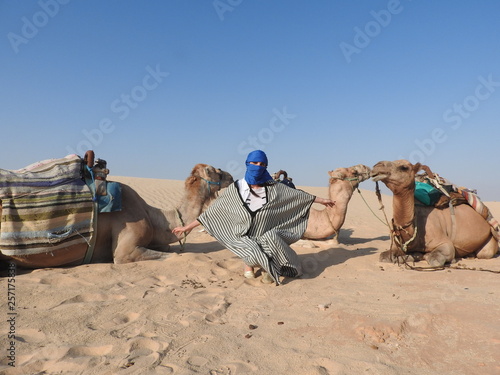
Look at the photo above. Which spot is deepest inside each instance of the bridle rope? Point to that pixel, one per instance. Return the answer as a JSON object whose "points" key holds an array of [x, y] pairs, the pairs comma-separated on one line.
{"points": [[210, 183], [182, 240]]}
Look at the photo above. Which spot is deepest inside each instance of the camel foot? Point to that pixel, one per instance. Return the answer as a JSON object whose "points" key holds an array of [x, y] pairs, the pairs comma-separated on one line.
{"points": [[415, 257], [390, 256], [489, 250], [435, 259], [141, 255], [307, 244], [163, 256], [332, 242]]}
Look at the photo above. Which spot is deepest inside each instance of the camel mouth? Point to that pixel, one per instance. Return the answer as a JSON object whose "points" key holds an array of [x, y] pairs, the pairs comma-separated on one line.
{"points": [[379, 176]]}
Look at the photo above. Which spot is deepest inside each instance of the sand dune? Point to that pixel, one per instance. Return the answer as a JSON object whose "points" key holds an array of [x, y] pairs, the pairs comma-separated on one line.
{"points": [[194, 313]]}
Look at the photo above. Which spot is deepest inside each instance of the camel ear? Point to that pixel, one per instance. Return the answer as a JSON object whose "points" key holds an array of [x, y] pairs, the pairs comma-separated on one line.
{"points": [[190, 181], [417, 167]]}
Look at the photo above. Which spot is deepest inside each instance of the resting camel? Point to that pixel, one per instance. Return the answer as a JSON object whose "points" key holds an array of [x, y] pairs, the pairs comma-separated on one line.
{"points": [[327, 222], [424, 230], [139, 231]]}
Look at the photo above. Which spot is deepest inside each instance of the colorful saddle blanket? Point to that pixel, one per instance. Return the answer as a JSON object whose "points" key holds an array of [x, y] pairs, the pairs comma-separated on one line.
{"points": [[476, 203], [45, 206], [439, 192]]}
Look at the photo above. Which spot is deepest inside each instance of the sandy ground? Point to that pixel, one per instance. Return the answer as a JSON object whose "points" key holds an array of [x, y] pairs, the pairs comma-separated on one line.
{"points": [[194, 313]]}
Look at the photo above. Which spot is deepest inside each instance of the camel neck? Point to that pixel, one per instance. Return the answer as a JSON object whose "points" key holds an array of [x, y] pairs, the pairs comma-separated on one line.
{"points": [[403, 204], [340, 192], [404, 214], [190, 208]]}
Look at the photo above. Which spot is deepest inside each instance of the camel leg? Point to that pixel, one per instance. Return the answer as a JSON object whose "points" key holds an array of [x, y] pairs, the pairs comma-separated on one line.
{"points": [[137, 254], [306, 243], [396, 255], [390, 256], [334, 241], [442, 254], [129, 248], [488, 250]]}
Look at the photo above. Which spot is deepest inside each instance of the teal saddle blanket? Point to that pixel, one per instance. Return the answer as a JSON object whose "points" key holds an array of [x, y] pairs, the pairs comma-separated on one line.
{"points": [[107, 194]]}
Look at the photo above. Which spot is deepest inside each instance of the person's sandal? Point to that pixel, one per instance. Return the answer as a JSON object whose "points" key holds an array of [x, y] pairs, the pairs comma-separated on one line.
{"points": [[267, 278], [249, 275]]}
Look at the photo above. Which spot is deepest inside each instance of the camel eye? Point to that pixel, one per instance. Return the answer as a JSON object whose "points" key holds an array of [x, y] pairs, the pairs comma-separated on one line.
{"points": [[403, 168]]}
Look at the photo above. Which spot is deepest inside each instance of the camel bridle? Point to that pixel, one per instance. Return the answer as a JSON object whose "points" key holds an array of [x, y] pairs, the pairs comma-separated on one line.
{"points": [[397, 234], [209, 183], [350, 179], [183, 240]]}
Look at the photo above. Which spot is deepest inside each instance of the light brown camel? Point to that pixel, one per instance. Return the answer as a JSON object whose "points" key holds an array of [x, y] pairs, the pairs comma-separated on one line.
{"points": [[139, 231], [426, 231], [327, 222]]}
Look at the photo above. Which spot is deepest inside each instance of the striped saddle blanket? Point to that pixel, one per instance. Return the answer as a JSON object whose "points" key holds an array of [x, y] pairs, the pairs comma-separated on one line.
{"points": [[476, 203], [44, 207], [450, 193]]}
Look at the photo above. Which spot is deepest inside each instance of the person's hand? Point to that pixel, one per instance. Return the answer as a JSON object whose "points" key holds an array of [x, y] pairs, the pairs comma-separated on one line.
{"points": [[186, 228], [328, 203], [179, 230]]}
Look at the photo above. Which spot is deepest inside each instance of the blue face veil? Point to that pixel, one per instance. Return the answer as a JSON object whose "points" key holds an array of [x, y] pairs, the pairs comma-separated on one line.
{"points": [[256, 174]]}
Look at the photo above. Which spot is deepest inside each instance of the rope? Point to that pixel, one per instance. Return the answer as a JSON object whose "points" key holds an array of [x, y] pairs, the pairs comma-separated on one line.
{"points": [[210, 183], [367, 205], [441, 268], [184, 233], [379, 196], [404, 246]]}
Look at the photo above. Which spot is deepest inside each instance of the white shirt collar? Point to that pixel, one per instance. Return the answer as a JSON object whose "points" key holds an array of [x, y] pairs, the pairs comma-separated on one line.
{"points": [[244, 189]]}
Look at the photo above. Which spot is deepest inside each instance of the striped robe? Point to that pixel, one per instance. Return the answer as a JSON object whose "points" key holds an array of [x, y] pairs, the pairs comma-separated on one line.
{"points": [[261, 238]]}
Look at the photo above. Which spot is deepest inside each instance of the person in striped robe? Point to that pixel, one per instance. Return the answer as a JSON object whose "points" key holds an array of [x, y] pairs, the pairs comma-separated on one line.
{"points": [[257, 219]]}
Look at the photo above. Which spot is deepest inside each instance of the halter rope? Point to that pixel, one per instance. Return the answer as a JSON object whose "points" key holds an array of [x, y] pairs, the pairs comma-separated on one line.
{"points": [[182, 241], [210, 183]]}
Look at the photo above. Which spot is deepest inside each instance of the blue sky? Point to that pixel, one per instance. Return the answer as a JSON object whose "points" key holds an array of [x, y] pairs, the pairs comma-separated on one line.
{"points": [[155, 87]]}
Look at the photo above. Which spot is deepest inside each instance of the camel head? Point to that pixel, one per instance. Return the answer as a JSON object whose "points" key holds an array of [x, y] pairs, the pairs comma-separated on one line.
{"points": [[354, 175], [207, 180], [277, 175], [397, 175], [361, 171]]}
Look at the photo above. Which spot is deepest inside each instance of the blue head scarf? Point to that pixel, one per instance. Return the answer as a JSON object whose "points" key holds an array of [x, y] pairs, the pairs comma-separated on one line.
{"points": [[256, 174]]}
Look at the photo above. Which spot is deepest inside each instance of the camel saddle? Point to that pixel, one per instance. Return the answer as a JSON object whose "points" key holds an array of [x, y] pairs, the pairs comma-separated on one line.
{"points": [[450, 195], [50, 205], [45, 206]]}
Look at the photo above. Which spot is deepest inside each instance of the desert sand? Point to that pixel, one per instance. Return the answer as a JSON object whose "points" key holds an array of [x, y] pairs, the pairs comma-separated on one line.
{"points": [[194, 313]]}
